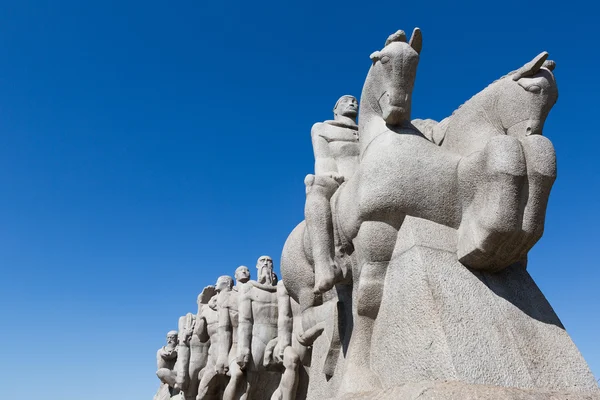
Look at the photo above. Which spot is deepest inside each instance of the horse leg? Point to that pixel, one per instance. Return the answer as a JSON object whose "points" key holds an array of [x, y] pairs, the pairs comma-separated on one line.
{"points": [[491, 183], [374, 245], [541, 174]]}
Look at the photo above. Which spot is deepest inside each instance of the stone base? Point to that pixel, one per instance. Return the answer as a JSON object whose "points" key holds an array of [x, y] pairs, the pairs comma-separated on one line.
{"points": [[464, 391]]}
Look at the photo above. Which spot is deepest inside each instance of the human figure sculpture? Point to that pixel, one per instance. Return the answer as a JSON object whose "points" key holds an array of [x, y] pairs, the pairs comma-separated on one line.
{"points": [[335, 145], [182, 366], [228, 330], [166, 357], [265, 332], [188, 375], [208, 330]]}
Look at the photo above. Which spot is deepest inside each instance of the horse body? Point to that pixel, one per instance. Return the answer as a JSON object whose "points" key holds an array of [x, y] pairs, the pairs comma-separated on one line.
{"points": [[475, 183]]}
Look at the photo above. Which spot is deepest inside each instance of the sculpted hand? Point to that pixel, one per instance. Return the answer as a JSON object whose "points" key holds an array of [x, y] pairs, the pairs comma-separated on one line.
{"points": [[243, 360], [221, 368], [278, 352]]}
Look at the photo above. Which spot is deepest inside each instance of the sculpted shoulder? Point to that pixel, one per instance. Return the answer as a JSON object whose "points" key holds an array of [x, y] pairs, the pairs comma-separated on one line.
{"points": [[317, 128], [281, 289], [331, 131]]}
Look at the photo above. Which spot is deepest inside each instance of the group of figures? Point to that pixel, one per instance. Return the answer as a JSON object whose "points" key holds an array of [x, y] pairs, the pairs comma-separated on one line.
{"points": [[237, 346], [408, 277]]}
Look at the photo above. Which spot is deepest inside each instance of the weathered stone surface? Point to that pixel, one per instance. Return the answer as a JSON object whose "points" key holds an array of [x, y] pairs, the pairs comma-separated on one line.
{"points": [[407, 279], [461, 391]]}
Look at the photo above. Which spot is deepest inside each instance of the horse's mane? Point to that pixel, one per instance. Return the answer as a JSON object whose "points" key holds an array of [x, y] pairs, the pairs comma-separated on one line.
{"points": [[484, 89]]}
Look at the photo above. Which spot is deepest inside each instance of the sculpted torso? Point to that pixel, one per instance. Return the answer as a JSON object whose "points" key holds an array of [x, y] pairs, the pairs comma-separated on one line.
{"points": [[232, 306], [211, 317], [336, 148], [166, 358], [264, 310]]}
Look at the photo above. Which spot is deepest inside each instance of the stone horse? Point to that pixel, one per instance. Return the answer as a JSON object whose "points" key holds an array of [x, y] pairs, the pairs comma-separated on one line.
{"points": [[480, 194]]}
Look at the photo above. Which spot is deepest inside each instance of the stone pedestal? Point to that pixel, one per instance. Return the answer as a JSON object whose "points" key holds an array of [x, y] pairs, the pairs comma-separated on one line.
{"points": [[440, 321]]}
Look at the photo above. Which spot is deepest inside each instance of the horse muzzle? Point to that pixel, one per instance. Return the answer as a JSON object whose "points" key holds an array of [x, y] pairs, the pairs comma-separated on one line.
{"points": [[394, 115]]}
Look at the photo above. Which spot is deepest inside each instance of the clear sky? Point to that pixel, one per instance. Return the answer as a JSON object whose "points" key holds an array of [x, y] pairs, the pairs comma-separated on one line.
{"points": [[148, 147]]}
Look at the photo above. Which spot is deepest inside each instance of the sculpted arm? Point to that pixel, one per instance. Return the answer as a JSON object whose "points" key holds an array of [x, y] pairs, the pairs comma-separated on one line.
{"points": [[225, 330], [284, 317], [200, 328], [160, 361], [324, 162], [245, 326]]}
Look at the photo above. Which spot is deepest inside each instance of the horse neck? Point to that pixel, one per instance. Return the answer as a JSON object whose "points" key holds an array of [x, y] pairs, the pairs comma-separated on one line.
{"points": [[482, 108], [370, 121]]}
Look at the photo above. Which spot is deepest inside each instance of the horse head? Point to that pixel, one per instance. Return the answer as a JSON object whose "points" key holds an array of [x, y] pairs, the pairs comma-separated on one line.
{"points": [[389, 84], [527, 95]]}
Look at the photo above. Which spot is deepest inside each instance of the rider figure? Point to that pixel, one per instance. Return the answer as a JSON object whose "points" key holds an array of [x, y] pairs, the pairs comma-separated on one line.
{"points": [[335, 144]]}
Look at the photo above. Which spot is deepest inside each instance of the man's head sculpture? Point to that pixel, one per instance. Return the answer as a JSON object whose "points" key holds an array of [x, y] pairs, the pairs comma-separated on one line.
{"points": [[264, 265], [526, 105], [172, 338], [346, 106], [242, 274], [224, 282], [393, 76]]}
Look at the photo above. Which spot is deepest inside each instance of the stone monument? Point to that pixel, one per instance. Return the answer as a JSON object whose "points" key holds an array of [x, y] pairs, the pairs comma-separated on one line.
{"points": [[408, 278]]}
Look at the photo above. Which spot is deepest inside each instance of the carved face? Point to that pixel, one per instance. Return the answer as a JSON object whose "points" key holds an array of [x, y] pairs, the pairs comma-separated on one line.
{"points": [[394, 69], [346, 106], [171, 338], [265, 269], [224, 283], [242, 274], [264, 262], [525, 104]]}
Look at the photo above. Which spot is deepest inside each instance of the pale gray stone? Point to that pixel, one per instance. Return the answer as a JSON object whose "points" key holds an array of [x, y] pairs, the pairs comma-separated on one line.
{"points": [[182, 366], [481, 178], [228, 308], [407, 279], [211, 384], [166, 357], [460, 391], [265, 337]]}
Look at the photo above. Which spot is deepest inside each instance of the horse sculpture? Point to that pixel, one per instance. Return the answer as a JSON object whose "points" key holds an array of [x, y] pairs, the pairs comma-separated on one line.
{"points": [[491, 185]]}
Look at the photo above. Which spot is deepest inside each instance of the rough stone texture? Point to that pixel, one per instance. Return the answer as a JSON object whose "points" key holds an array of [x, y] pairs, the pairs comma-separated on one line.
{"points": [[265, 337], [407, 279], [441, 321], [166, 359], [461, 391]]}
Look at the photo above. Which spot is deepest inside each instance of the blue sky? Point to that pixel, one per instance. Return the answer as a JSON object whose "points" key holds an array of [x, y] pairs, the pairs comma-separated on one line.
{"points": [[149, 147]]}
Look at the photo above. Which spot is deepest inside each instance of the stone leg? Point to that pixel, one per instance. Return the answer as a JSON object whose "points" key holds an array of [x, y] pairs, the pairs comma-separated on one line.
{"points": [[182, 367], [198, 355], [374, 245], [491, 183], [236, 386], [319, 224], [541, 174], [167, 376], [207, 387], [289, 379]]}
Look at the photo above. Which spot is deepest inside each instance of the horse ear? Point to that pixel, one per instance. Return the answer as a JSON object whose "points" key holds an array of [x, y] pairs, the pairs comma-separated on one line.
{"points": [[399, 36], [416, 40], [531, 67], [549, 64], [375, 56]]}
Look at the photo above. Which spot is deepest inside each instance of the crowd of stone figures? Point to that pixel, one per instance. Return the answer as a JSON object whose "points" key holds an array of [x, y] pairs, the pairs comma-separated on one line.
{"points": [[410, 265], [238, 344]]}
